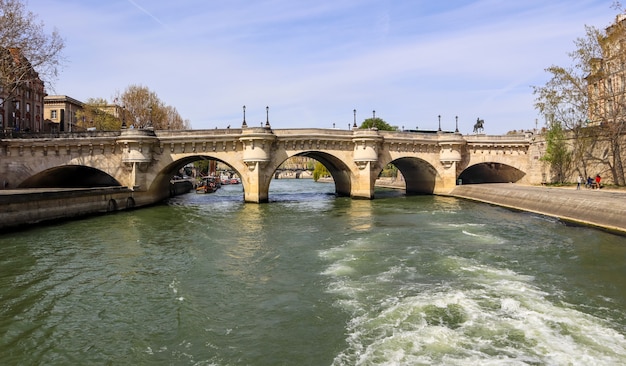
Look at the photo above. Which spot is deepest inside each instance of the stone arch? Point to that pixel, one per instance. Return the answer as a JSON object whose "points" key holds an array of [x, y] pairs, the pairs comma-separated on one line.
{"points": [[420, 176], [490, 172], [337, 168], [160, 185], [70, 176]]}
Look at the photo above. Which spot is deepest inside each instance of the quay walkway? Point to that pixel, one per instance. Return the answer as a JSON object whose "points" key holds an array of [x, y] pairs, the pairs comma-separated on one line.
{"points": [[602, 208]]}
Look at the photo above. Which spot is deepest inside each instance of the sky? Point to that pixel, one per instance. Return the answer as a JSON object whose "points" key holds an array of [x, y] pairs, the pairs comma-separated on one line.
{"points": [[313, 62]]}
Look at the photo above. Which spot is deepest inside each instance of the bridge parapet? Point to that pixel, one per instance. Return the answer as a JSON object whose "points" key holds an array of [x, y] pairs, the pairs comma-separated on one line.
{"points": [[507, 144]]}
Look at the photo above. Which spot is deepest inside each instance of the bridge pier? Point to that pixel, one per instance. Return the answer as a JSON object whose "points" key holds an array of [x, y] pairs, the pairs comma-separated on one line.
{"points": [[367, 144], [137, 155], [363, 184], [257, 146], [256, 183], [450, 155]]}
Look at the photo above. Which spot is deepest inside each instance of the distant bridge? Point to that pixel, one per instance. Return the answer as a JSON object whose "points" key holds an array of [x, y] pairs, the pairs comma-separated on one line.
{"points": [[145, 160]]}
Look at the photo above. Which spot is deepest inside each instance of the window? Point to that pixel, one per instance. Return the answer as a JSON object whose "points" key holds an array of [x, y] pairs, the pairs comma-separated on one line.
{"points": [[53, 114], [27, 107]]}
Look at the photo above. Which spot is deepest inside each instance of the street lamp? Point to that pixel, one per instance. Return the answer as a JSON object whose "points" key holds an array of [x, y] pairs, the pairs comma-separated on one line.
{"points": [[123, 116], [457, 124], [439, 116], [244, 124], [354, 125], [267, 117], [150, 120], [374, 114]]}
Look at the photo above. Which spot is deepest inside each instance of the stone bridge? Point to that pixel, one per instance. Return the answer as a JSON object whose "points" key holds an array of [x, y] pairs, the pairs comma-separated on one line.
{"points": [[146, 160]]}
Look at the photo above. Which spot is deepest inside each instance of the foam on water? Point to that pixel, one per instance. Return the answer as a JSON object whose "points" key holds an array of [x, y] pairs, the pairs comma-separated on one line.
{"points": [[496, 316]]}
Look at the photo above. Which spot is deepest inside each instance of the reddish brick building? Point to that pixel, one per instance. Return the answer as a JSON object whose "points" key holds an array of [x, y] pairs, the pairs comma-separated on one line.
{"points": [[21, 94]]}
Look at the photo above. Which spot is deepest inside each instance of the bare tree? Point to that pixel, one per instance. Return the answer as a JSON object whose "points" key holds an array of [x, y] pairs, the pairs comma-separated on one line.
{"points": [[24, 47], [141, 105], [173, 120]]}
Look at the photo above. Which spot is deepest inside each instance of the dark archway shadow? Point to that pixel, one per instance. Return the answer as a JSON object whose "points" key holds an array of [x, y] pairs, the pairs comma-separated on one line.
{"points": [[490, 173], [70, 176], [419, 175]]}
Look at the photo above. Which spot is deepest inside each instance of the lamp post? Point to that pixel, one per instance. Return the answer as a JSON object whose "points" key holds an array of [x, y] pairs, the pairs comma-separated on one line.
{"points": [[123, 116], [354, 125], [267, 117], [374, 114], [244, 124], [457, 124], [150, 120], [439, 116]]}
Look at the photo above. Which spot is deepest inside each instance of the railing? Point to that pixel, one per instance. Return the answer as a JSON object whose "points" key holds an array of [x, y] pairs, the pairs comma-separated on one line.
{"points": [[12, 134], [315, 133]]}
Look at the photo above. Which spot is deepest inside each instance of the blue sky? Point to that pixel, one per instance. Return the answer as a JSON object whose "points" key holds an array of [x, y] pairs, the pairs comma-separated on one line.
{"points": [[314, 61]]}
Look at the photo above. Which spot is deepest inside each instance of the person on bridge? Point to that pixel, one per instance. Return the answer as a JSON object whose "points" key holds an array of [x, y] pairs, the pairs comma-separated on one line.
{"points": [[598, 186], [579, 180]]}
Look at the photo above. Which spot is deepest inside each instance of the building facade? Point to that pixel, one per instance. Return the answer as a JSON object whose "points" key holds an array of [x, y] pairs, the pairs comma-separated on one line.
{"points": [[21, 94], [60, 113], [606, 84]]}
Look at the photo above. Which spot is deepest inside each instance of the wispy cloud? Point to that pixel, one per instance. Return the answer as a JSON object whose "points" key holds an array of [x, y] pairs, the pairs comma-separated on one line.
{"points": [[146, 12], [313, 62]]}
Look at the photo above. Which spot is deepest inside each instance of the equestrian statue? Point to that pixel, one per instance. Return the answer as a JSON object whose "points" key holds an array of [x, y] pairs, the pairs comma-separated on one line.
{"points": [[478, 126]]}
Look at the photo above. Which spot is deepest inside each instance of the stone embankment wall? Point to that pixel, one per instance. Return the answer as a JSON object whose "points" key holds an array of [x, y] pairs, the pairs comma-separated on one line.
{"points": [[597, 208], [597, 160], [23, 208]]}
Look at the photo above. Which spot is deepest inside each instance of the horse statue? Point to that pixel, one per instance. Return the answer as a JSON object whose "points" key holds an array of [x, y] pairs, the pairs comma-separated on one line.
{"points": [[478, 126]]}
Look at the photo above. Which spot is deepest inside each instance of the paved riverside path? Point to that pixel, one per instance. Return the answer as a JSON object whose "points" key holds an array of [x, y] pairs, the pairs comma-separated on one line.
{"points": [[603, 208]]}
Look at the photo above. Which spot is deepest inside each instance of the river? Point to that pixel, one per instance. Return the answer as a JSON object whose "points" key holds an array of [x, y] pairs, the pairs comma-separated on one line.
{"points": [[312, 279]]}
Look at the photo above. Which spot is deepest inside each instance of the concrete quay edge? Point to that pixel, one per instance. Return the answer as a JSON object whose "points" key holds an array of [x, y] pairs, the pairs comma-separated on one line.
{"points": [[603, 209]]}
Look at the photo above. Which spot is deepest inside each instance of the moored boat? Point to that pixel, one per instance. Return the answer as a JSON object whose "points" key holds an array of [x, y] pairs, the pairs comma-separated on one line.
{"points": [[208, 185]]}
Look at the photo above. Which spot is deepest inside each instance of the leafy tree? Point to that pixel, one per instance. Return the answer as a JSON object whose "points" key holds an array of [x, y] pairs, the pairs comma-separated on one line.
{"points": [[24, 46], [378, 123], [202, 166], [557, 152], [389, 170], [98, 113], [320, 171]]}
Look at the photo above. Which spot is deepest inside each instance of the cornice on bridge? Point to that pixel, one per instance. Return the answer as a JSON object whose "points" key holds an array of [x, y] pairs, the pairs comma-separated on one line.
{"points": [[202, 141]]}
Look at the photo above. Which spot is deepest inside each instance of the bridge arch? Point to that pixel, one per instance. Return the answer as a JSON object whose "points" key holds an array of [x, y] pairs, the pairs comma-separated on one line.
{"points": [[491, 172], [420, 176], [161, 183], [70, 176], [337, 168]]}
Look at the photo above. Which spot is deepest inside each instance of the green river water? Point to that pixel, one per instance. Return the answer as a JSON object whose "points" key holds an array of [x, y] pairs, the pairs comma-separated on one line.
{"points": [[311, 279]]}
